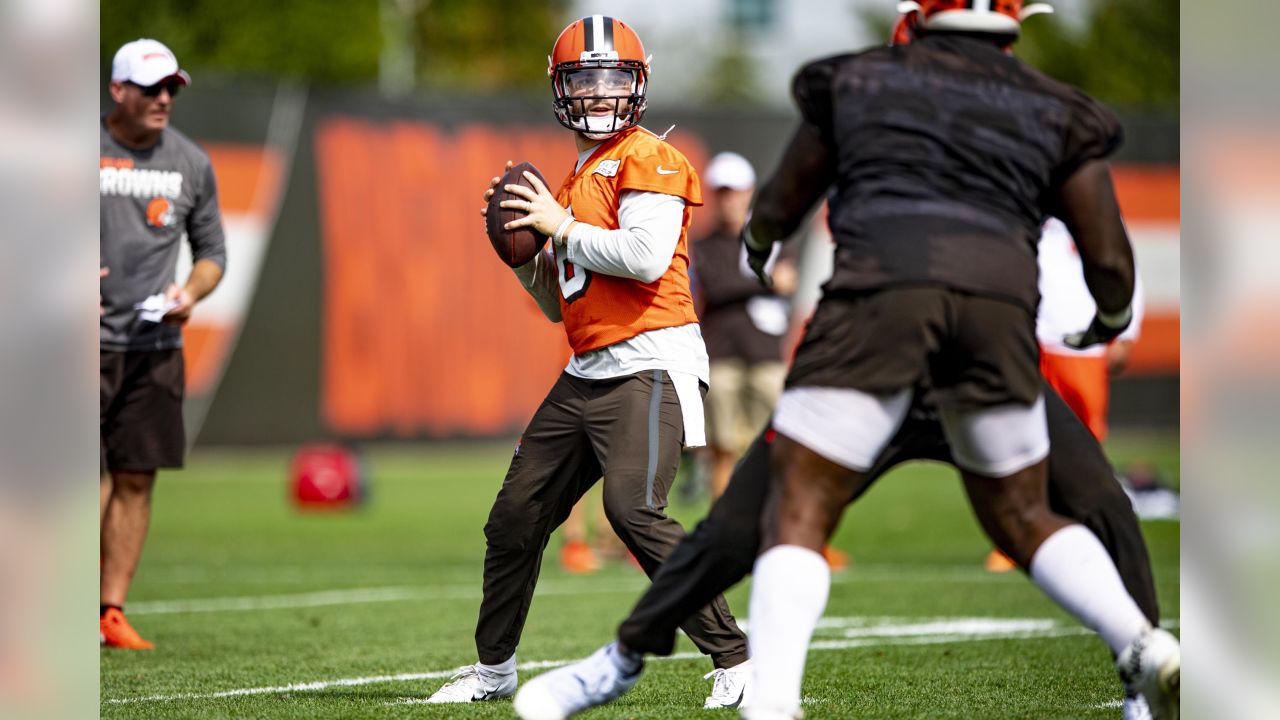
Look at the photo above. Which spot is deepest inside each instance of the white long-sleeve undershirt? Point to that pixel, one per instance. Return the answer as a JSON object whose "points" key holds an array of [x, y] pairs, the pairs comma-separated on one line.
{"points": [[539, 279], [641, 248]]}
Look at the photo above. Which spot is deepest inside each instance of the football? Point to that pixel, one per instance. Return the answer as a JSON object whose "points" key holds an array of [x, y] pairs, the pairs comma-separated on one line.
{"points": [[519, 246]]}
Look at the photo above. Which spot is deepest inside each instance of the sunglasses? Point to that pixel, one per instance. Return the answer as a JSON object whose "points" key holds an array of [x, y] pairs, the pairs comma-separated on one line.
{"points": [[173, 86]]}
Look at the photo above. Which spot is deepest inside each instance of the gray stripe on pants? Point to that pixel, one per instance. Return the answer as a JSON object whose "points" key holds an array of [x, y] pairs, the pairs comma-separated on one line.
{"points": [[655, 405]]}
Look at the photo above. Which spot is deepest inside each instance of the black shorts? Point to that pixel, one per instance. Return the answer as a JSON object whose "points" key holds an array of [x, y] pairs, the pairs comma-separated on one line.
{"points": [[140, 410], [967, 350]]}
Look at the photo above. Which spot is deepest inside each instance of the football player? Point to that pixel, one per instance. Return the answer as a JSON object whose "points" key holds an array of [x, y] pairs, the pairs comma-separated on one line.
{"points": [[946, 153], [722, 548], [981, 206], [616, 275]]}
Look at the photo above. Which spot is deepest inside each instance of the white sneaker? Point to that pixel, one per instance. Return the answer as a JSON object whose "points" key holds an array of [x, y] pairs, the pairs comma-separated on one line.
{"points": [[473, 683], [731, 687], [569, 690], [1152, 665], [1135, 708]]}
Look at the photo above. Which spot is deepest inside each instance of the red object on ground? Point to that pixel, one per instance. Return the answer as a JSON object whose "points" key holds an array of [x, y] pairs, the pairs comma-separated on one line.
{"points": [[326, 476]]}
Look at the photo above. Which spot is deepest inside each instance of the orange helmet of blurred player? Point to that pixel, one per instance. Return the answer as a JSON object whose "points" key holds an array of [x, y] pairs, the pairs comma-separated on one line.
{"points": [[998, 17], [906, 29], [593, 54]]}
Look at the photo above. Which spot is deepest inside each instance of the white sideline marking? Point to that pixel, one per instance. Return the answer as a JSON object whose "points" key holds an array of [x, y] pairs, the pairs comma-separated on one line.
{"points": [[471, 591], [873, 632], [360, 596]]}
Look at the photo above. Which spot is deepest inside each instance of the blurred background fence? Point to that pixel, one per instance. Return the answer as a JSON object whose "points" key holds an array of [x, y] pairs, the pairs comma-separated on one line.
{"points": [[352, 142]]}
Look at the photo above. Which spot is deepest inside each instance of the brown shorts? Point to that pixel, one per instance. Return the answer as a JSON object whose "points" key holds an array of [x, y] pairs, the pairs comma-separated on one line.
{"points": [[969, 350], [140, 410]]}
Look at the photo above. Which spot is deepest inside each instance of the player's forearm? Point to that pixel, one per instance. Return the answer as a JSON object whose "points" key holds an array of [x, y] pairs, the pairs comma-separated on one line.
{"points": [[631, 253], [802, 178], [1111, 286], [644, 245], [1087, 204], [205, 276], [538, 278]]}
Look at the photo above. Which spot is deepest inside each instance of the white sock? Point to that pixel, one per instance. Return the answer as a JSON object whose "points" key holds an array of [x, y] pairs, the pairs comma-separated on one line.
{"points": [[1073, 568], [788, 594], [506, 667]]}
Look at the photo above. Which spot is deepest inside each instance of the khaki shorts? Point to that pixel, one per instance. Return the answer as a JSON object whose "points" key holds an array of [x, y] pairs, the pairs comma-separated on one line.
{"points": [[740, 400]]}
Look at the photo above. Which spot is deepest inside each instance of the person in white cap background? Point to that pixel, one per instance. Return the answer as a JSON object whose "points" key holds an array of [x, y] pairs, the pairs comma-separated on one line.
{"points": [[743, 324], [155, 186]]}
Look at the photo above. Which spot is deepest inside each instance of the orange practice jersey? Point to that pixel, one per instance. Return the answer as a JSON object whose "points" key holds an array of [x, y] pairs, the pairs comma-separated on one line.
{"points": [[599, 309], [1084, 384]]}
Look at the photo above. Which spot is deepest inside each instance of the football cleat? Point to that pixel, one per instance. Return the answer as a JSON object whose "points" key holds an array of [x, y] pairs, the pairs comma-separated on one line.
{"points": [[569, 690], [1135, 708], [474, 683], [1152, 666], [115, 631], [731, 688]]}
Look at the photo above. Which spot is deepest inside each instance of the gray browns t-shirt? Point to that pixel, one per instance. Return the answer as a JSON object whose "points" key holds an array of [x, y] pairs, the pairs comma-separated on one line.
{"points": [[149, 199]]}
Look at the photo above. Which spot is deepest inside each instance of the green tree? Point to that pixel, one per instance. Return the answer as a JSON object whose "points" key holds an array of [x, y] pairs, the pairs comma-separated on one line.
{"points": [[1126, 55], [324, 41], [455, 44], [485, 45]]}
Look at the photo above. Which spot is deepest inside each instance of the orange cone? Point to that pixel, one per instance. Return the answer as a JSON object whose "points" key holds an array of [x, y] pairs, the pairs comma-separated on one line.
{"points": [[578, 558], [998, 562]]}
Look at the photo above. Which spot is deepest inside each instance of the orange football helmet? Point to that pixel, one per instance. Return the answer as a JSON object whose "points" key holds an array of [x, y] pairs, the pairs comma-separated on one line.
{"points": [[906, 29], [593, 52], [1000, 17]]}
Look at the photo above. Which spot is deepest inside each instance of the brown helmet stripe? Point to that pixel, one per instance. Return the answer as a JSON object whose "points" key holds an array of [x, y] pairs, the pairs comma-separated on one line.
{"points": [[608, 33]]}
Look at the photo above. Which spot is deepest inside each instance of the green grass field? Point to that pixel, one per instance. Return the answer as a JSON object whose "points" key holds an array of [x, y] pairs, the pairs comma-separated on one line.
{"points": [[262, 611]]}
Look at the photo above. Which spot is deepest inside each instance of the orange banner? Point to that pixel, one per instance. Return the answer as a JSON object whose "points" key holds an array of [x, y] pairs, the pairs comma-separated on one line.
{"points": [[425, 331], [1149, 199], [251, 181]]}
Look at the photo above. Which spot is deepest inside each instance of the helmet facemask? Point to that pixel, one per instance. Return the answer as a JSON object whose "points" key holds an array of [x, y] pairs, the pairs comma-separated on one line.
{"points": [[583, 89]]}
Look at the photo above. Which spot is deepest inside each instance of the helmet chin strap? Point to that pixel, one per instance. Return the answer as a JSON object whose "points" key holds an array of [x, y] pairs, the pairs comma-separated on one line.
{"points": [[601, 128]]}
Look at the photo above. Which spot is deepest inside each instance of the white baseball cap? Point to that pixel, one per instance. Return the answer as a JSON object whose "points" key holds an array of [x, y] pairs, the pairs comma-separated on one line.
{"points": [[146, 62], [730, 170]]}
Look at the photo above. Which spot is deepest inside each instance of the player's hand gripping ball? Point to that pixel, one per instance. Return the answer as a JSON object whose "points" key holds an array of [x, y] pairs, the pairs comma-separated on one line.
{"points": [[516, 247]]}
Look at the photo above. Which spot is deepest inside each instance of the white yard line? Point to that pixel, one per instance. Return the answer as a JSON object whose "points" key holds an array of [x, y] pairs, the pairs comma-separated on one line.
{"points": [[868, 632], [471, 591], [359, 596]]}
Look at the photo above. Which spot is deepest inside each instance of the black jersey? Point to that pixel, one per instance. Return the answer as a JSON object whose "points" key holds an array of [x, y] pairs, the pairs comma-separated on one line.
{"points": [[947, 154]]}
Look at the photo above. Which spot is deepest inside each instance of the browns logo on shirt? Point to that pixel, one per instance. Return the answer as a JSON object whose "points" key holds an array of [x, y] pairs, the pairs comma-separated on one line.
{"points": [[159, 212], [598, 309]]}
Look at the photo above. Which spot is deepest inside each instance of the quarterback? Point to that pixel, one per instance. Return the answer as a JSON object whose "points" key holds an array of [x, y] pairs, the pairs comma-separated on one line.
{"points": [[616, 275]]}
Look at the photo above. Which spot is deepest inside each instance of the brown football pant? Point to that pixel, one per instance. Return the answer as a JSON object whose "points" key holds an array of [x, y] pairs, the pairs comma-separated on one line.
{"points": [[628, 430]]}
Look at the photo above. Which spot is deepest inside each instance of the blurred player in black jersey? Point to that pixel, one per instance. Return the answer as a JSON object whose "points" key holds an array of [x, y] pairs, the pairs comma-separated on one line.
{"points": [[945, 154], [719, 552]]}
